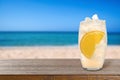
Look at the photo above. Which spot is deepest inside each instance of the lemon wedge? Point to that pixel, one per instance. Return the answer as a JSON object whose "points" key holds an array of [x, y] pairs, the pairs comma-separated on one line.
{"points": [[89, 41]]}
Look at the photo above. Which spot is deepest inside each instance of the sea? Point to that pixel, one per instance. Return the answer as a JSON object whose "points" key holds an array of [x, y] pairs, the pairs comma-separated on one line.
{"points": [[47, 38]]}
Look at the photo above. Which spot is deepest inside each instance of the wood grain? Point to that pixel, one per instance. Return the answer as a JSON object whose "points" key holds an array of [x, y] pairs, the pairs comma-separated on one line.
{"points": [[50, 77], [26, 77], [56, 69], [87, 77]]}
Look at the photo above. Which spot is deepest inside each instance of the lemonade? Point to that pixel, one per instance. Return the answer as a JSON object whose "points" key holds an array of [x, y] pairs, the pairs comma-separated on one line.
{"points": [[92, 42]]}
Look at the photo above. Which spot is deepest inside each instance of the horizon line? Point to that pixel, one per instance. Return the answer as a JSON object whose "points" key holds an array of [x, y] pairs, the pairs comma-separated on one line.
{"points": [[54, 31]]}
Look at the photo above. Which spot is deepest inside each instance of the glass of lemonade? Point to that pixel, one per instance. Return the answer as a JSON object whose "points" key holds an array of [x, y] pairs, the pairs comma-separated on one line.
{"points": [[92, 43]]}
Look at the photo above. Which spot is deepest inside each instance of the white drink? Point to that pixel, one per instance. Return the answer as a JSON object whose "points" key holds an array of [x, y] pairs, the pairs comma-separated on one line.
{"points": [[92, 43]]}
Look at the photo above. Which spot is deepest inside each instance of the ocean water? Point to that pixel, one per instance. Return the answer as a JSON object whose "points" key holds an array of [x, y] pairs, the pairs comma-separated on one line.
{"points": [[47, 38]]}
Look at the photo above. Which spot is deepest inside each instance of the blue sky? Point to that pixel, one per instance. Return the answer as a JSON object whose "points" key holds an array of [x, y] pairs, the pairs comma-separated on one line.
{"points": [[56, 15]]}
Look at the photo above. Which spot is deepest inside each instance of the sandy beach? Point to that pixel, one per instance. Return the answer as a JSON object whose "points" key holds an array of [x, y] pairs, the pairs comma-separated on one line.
{"points": [[113, 52]]}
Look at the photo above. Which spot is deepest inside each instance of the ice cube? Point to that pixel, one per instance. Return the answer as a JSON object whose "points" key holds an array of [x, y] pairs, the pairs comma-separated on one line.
{"points": [[95, 17], [87, 19]]}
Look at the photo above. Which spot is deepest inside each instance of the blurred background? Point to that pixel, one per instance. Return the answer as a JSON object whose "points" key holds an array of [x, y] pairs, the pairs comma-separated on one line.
{"points": [[49, 28], [54, 22]]}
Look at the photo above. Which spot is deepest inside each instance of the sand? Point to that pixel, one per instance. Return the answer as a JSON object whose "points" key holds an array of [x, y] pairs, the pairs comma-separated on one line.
{"points": [[40, 52]]}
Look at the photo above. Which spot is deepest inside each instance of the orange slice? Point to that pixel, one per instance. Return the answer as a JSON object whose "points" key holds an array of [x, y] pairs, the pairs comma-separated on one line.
{"points": [[89, 41]]}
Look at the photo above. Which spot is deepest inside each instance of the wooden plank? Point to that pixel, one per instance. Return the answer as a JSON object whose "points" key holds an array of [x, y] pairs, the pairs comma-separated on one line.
{"points": [[26, 77], [87, 77], [55, 67], [50, 77]]}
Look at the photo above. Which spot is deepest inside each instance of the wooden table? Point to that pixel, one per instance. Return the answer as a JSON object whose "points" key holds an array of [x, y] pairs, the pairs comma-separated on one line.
{"points": [[56, 69]]}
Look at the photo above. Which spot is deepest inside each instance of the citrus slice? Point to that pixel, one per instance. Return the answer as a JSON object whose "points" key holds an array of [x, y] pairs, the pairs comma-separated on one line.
{"points": [[89, 41]]}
